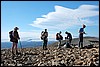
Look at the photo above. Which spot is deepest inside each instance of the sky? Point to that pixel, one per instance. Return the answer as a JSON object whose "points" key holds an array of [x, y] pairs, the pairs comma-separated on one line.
{"points": [[32, 17]]}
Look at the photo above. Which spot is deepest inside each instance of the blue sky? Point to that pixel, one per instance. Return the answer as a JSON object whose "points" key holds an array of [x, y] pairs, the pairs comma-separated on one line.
{"points": [[34, 16]]}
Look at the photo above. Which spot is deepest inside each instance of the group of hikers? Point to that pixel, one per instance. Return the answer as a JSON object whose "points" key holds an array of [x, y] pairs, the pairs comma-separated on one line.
{"points": [[14, 37], [68, 39]]}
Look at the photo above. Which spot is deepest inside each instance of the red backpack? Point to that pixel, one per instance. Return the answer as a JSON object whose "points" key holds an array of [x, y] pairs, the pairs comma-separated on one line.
{"points": [[57, 37]]}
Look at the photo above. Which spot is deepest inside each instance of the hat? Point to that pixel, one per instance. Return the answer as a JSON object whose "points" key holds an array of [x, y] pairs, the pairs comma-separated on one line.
{"points": [[84, 25], [60, 32], [16, 28], [66, 32]]}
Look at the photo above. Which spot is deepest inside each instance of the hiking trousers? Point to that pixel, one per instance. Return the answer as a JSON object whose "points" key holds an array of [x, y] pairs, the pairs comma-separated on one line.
{"points": [[45, 44], [59, 43], [81, 40]]}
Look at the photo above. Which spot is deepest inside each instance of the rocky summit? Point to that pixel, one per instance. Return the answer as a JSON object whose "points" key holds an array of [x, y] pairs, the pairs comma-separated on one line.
{"points": [[51, 57], [87, 56]]}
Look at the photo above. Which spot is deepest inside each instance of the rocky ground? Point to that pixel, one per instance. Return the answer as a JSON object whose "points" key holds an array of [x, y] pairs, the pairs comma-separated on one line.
{"points": [[51, 57]]}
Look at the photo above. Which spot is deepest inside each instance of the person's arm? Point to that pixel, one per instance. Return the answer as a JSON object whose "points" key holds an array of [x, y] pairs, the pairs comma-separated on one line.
{"points": [[67, 36], [18, 35], [84, 32]]}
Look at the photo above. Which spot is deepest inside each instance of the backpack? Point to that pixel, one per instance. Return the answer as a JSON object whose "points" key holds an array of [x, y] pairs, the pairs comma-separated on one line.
{"points": [[42, 35], [11, 36], [61, 37], [57, 38]]}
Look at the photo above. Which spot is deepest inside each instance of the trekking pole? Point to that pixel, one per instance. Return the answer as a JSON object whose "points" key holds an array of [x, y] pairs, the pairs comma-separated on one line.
{"points": [[21, 47], [20, 44]]}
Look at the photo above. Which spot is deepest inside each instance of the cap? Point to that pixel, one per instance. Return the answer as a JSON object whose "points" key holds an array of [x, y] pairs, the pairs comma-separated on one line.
{"points": [[84, 25], [66, 32], [16, 28], [60, 32]]}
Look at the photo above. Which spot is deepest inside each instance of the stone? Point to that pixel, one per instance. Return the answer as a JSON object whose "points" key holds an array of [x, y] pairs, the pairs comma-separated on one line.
{"points": [[47, 55], [54, 63], [60, 55], [79, 63], [3, 52], [82, 58], [96, 55], [11, 64], [52, 57], [39, 63], [62, 62], [92, 64], [97, 62], [19, 64]]}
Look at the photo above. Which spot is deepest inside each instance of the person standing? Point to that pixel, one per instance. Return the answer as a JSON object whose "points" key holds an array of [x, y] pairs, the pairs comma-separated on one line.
{"points": [[45, 39], [59, 38], [15, 36], [81, 32]]}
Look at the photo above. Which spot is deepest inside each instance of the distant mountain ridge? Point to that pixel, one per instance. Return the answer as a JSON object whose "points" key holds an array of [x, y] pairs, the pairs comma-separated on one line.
{"points": [[76, 40]]}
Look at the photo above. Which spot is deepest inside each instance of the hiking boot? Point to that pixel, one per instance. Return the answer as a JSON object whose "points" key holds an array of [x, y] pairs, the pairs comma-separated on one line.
{"points": [[45, 48]]}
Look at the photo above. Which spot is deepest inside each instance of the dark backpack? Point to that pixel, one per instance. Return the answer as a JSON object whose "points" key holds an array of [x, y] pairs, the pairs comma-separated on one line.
{"points": [[61, 37], [11, 36], [42, 35], [57, 38]]}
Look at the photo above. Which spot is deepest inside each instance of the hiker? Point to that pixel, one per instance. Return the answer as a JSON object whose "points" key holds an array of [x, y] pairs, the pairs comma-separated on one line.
{"points": [[81, 32], [14, 36], [44, 37], [59, 38], [69, 37]]}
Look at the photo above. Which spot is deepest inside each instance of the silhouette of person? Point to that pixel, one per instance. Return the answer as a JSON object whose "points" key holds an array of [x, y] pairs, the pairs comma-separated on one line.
{"points": [[81, 32]]}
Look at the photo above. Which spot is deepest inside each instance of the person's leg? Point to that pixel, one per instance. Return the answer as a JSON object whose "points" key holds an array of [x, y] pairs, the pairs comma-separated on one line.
{"points": [[46, 44], [58, 43], [43, 45], [70, 42], [66, 43], [81, 41], [79, 44], [16, 48], [13, 48]]}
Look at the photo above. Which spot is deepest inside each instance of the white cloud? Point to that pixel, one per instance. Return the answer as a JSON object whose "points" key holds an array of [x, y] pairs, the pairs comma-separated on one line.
{"points": [[33, 35], [23, 35], [63, 18], [4, 36]]}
